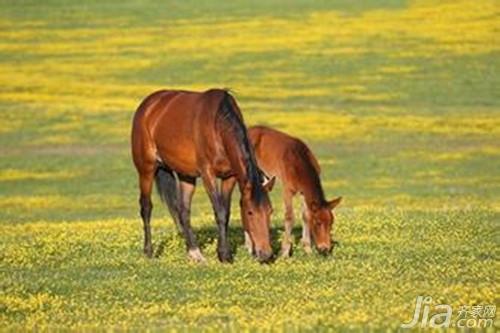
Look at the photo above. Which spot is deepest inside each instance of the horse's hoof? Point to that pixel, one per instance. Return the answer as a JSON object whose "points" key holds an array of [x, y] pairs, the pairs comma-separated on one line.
{"points": [[225, 256], [148, 252], [196, 256]]}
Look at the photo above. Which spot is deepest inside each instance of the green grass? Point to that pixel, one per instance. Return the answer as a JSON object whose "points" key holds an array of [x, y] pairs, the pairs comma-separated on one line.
{"points": [[398, 100]]}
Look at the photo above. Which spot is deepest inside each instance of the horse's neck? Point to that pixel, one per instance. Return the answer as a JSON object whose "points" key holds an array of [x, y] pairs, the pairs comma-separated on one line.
{"points": [[237, 145], [240, 156]]}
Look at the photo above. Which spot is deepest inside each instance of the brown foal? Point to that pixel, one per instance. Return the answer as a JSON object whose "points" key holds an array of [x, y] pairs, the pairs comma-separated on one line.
{"points": [[291, 161], [178, 136]]}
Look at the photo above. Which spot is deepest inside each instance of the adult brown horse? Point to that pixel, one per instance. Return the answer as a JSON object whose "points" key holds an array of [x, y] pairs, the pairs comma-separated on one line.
{"points": [[291, 161], [178, 136]]}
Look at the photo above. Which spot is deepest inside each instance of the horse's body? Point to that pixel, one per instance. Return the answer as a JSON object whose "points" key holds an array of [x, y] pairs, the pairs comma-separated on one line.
{"points": [[178, 136], [291, 161]]}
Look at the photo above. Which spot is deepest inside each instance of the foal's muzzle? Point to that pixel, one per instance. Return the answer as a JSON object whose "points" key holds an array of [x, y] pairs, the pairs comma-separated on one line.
{"points": [[325, 251]]}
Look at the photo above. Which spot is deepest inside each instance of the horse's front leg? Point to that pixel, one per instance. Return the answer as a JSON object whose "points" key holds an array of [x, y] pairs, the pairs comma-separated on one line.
{"points": [[187, 186], [221, 203], [224, 248]]}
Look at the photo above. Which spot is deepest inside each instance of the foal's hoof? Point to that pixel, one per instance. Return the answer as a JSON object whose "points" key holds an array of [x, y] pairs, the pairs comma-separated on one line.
{"points": [[286, 251], [308, 249], [250, 251], [196, 256]]}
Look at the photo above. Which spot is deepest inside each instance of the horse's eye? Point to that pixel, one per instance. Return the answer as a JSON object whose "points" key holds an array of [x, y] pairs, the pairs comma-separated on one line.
{"points": [[250, 213]]}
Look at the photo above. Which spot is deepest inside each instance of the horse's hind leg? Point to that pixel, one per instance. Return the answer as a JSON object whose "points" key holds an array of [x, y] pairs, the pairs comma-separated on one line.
{"points": [[144, 160], [287, 242], [146, 183]]}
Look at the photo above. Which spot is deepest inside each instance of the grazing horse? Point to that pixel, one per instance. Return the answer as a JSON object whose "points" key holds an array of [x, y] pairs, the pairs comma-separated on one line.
{"points": [[290, 160], [178, 136]]}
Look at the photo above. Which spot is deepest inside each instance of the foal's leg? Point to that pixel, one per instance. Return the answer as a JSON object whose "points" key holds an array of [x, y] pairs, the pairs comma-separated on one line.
{"points": [[146, 177], [249, 243], [187, 186], [306, 233], [220, 199], [287, 242]]}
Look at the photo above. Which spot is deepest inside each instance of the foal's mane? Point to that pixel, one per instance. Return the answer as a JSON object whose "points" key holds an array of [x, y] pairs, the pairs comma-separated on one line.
{"points": [[312, 169], [231, 121]]}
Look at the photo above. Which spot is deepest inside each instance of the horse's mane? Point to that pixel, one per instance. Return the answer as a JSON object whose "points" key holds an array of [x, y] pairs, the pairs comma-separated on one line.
{"points": [[232, 121]]}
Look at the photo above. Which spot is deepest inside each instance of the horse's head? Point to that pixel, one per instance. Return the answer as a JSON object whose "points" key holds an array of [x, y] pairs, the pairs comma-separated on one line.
{"points": [[320, 223], [256, 213]]}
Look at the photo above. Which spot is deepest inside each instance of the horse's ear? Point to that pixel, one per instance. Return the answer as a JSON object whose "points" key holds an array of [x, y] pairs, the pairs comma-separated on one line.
{"points": [[334, 203], [268, 186]]}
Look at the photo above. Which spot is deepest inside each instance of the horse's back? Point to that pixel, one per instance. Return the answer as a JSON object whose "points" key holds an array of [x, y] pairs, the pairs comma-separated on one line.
{"points": [[143, 147], [173, 121]]}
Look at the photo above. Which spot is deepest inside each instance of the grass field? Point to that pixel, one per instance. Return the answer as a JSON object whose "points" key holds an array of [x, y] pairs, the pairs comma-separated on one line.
{"points": [[400, 101]]}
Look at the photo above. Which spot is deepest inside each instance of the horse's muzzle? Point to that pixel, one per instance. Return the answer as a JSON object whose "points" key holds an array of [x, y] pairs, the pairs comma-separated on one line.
{"points": [[264, 257]]}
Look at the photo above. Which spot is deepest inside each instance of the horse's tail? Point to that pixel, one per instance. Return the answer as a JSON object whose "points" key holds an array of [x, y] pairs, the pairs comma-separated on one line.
{"points": [[166, 184]]}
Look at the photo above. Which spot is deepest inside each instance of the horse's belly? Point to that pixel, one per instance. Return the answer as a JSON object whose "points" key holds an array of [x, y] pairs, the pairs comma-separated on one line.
{"points": [[180, 158]]}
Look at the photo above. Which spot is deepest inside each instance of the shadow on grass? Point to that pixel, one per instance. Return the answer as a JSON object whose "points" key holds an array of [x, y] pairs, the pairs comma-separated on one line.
{"points": [[207, 235]]}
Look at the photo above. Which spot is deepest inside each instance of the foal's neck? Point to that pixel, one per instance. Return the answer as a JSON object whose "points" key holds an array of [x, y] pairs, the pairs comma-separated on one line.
{"points": [[310, 186]]}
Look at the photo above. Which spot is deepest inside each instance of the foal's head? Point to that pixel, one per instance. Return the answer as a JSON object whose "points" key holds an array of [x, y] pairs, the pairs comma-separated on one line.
{"points": [[256, 213], [320, 223]]}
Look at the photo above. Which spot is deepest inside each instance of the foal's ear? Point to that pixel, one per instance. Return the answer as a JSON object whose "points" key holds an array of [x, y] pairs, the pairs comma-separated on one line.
{"points": [[334, 203], [268, 186]]}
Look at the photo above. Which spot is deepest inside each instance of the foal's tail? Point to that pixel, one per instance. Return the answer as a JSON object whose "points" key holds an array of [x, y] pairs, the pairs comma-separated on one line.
{"points": [[166, 184]]}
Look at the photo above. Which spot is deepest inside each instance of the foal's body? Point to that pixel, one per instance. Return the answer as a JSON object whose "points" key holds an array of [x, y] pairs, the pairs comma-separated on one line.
{"points": [[291, 161], [178, 136]]}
